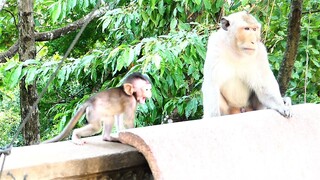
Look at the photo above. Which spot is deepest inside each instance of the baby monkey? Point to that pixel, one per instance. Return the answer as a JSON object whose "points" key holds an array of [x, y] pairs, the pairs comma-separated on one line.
{"points": [[113, 106]]}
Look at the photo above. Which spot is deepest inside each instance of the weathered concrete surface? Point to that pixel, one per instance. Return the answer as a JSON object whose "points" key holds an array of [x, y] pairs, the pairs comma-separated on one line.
{"points": [[66, 160], [260, 145]]}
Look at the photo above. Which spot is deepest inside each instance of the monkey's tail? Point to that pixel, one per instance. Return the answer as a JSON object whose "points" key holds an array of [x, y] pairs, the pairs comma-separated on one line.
{"points": [[69, 126]]}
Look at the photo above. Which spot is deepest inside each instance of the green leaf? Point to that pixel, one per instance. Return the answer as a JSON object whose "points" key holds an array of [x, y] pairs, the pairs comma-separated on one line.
{"points": [[173, 24], [168, 106], [63, 10], [85, 3], [94, 74], [15, 76], [153, 4], [198, 2], [31, 74], [129, 56], [86, 60], [157, 60], [106, 23], [56, 12], [49, 63], [68, 72], [220, 3], [119, 21], [191, 107], [45, 70], [93, 2], [191, 69], [184, 26], [62, 123], [10, 65], [71, 4], [207, 4], [120, 64], [30, 62], [61, 76], [145, 16], [180, 109], [80, 3], [244, 2], [315, 51], [161, 8], [137, 49]]}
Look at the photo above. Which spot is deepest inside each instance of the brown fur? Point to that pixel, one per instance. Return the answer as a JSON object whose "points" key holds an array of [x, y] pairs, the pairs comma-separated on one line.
{"points": [[113, 105]]}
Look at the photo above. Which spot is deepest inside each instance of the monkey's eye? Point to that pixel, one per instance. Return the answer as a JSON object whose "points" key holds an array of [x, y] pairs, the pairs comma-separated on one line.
{"points": [[246, 28], [254, 29]]}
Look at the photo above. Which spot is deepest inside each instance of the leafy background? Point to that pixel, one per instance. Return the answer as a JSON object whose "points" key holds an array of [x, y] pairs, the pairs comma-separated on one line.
{"points": [[165, 39]]}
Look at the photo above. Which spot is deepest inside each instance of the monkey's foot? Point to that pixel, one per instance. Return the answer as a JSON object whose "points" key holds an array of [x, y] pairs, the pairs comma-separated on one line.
{"points": [[111, 138], [78, 141]]}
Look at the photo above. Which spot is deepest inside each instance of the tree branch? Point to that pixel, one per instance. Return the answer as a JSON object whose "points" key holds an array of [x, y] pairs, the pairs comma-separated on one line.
{"points": [[312, 11], [54, 34]]}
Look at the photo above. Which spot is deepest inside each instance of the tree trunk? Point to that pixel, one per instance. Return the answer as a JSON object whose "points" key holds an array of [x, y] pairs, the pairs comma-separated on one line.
{"points": [[28, 94], [292, 45]]}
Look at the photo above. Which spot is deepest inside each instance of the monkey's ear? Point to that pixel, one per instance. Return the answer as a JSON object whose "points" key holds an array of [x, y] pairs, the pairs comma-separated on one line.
{"points": [[225, 23], [128, 88]]}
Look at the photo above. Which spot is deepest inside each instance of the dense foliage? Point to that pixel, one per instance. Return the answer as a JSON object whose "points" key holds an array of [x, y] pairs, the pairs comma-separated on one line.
{"points": [[165, 39]]}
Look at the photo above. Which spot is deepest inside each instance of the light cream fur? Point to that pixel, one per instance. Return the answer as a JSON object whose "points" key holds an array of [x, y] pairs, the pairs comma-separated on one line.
{"points": [[236, 65]]}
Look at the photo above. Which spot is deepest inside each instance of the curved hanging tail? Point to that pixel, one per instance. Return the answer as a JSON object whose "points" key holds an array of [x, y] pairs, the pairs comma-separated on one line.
{"points": [[69, 126]]}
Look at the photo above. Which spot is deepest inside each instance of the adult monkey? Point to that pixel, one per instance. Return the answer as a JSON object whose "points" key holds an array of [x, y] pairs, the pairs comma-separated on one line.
{"points": [[237, 76], [118, 104]]}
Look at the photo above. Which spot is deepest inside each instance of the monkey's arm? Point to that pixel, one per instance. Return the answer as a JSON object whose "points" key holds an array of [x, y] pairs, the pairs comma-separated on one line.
{"points": [[69, 126], [211, 96], [210, 87], [269, 95]]}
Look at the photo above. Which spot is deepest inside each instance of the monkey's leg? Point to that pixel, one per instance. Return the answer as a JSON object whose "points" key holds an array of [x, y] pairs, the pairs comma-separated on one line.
{"points": [[128, 118], [119, 126], [233, 110], [224, 107], [108, 122], [88, 130], [119, 122]]}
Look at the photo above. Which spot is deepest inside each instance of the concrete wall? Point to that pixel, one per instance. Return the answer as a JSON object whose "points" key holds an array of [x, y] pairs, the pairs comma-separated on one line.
{"points": [[259, 145], [256, 145], [64, 160]]}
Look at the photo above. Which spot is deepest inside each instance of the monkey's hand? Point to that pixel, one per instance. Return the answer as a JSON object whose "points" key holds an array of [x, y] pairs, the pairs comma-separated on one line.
{"points": [[285, 111], [287, 101], [285, 108]]}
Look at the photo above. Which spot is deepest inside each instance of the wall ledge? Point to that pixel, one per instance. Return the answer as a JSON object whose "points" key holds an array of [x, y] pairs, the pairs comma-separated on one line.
{"points": [[65, 160], [254, 145], [258, 145]]}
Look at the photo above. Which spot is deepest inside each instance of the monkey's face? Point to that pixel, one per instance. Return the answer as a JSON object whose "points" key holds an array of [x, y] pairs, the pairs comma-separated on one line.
{"points": [[244, 31], [247, 38], [142, 91]]}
